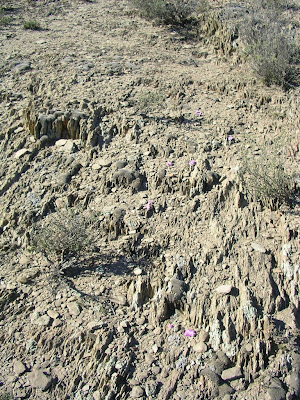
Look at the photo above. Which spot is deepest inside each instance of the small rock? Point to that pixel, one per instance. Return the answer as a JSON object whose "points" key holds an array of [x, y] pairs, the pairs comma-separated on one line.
{"points": [[53, 314], [39, 380], [224, 289], [119, 299], [137, 271], [60, 142], [24, 279], [38, 319], [94, 325], [258, 247], [96, 395], [74, 309], [24, 260], [20, 153], [232, 373], [200, 347], [19, 367], [203, 336], [137, 392]]}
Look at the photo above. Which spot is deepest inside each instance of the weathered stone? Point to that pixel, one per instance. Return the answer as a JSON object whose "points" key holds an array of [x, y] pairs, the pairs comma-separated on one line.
{"points": [[294, 382], [74, 309], [19, 367], [137, 271], [137, 392], [20, 153], [38, 319], [53, 314], [232, 373], [224, 289], [39, 380], [275, 394], [258, 247], [200, 347]]}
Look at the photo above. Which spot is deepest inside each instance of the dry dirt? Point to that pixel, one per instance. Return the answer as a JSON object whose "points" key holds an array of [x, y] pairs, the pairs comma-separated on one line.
{"points": [[190, 288]]}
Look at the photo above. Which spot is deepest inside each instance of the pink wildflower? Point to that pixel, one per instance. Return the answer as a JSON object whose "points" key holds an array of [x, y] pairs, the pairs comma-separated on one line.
{"points": [[170, 163], [199, 113], [192, 163], [230, 138], [171, 326], [149, 205], [190, 332]]}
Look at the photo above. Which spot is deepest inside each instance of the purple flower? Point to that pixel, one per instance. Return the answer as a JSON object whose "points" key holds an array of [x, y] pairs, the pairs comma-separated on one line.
{"points": [[199, 113], [149, 205], [230, 138], [170, 163], [192, 163], [171, 326], [190, 332]]}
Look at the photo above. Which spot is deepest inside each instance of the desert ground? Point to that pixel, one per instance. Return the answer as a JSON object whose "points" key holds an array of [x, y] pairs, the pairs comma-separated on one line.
{"points": [[139, 259]]}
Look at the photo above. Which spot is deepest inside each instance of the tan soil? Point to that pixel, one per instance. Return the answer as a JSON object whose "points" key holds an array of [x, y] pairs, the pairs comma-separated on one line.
{"points": [[123, 95]]}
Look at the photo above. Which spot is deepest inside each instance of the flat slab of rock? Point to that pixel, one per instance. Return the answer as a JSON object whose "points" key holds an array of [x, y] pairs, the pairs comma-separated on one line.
{"points": [[231, 374], [39, 380]]}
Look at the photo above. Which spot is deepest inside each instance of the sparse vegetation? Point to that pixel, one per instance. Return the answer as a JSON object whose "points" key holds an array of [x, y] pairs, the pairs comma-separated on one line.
{"points": [[32, 25], [61, 234], [266, 180], [271, 44], [173, 12], [150, 101]]}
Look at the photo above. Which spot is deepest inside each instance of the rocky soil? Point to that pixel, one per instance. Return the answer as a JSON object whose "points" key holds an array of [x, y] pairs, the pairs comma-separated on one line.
{"points": [[189, 288]]}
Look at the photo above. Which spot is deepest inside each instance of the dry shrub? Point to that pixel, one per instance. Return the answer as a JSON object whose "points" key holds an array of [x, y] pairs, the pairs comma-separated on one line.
{"points": [[61, 234], [172, 12], [271, 43], [265, 179]]}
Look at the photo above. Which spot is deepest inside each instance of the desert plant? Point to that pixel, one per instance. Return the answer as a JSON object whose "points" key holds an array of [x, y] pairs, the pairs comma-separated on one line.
{"points": [[61, 234], [271, 46], [172, 12], [265, 179], [32, 25]]}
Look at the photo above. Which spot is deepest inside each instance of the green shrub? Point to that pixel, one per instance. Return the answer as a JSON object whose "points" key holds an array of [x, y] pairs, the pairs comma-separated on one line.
{"points": [[265, 179], [32, 25], [61, 234], [172, 12]]}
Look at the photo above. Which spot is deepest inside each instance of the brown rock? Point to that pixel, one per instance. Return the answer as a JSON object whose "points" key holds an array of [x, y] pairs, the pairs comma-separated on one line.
{"points": [[232, 373]]}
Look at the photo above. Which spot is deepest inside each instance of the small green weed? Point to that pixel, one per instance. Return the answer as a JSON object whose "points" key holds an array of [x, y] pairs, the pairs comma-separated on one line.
{"points": [[32, 25]]}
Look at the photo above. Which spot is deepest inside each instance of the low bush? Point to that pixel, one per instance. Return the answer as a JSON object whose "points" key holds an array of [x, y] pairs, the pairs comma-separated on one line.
{"points": [[62, 234], [172, 12], [271, 44], [265, 179], [32, 25]]}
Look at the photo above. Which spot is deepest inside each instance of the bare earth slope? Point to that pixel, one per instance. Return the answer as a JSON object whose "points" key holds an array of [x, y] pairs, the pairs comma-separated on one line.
{"points": [[190, 288]]}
